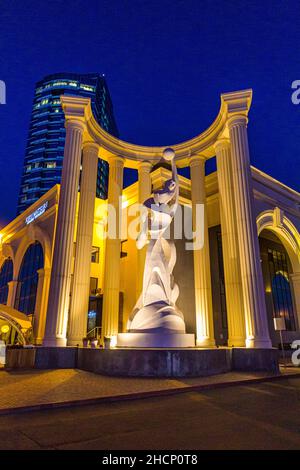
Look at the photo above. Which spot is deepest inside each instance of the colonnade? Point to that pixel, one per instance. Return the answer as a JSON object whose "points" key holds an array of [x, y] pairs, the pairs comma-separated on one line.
{"points": [[227, 140]]}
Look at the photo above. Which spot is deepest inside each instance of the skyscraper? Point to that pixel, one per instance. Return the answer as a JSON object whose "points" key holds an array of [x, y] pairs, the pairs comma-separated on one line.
{"points": [[45, 145]]}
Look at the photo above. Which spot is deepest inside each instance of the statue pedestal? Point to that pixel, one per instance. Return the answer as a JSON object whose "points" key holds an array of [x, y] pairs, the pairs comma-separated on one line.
{"points": [[155, 340]]}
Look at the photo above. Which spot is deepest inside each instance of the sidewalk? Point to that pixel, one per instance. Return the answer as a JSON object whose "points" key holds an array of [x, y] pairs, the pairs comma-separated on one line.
{"points": [[45, 389]]}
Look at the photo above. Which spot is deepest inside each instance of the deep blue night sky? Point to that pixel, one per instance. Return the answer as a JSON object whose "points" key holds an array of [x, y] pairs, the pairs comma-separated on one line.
{"points": [[166, 63]]}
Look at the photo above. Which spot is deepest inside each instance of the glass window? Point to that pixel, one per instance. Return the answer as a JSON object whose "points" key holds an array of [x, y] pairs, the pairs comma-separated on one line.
{"points": [[95, 313], [93, 285], [51, 165], [95, 254], [123, 253], [281, 289], [6, 275], [28, 278]]}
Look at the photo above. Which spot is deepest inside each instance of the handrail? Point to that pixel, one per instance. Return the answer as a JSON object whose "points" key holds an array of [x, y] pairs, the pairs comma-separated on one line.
{"points": [[95, 331]]}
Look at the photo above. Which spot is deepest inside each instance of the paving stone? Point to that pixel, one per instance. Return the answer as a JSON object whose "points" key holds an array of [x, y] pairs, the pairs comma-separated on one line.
{"points": [[36, 387]]}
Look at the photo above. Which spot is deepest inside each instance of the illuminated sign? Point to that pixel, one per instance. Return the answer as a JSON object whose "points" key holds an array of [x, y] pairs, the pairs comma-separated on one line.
{"points": [[36, 213]]}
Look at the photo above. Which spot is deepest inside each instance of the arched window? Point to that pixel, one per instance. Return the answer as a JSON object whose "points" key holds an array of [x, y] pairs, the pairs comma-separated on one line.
{"points": [[281, 289], [28, 278], [6, 275]]}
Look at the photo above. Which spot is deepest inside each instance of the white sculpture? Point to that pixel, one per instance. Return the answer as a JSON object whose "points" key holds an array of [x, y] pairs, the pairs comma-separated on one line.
{"points": [[155, 320], [155, 310]]}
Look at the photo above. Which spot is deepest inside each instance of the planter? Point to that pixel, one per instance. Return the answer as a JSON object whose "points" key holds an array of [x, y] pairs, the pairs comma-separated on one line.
{"points": [[85, 342], [94, 343]]}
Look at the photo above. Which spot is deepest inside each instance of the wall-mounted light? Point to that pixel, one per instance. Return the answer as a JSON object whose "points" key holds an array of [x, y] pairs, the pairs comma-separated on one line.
{"points": [[4, 329]]}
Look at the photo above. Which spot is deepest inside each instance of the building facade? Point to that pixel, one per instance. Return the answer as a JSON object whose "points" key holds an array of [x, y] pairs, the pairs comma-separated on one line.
{"points": [[45, 145], [59, 268]]}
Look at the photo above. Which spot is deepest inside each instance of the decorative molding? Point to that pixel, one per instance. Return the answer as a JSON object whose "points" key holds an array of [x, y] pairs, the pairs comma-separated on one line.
{"points": [[231, 103], [276, 221]]}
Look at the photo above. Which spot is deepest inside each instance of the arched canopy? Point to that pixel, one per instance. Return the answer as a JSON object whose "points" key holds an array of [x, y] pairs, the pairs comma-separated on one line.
{"points": [[17, 320], [79, 109]]}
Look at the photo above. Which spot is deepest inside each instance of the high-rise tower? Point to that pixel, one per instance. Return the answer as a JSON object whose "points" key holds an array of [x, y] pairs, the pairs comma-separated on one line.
{"points": [[45, 145]]}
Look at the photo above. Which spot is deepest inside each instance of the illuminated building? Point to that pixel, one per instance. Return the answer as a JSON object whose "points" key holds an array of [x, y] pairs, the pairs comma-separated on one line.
{"points": [[246, 273], [46, 139]]}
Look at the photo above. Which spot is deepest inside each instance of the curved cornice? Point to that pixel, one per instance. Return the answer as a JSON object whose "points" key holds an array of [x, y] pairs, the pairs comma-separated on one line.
{"points": [[235, 103]]}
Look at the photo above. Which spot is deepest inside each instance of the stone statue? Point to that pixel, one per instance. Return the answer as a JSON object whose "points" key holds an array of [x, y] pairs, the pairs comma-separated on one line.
{"points": [[155, 320], [155, 310]]}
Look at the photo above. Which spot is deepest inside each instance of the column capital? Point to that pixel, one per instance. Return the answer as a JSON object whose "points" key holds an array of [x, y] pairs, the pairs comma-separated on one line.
{"points": [[76, 108], [144, 165], [7, 251], [44, 272], [237, 102], [116, 160], [197, 160], [237, 120], [221, 143], [75, 124], [90, 145]]}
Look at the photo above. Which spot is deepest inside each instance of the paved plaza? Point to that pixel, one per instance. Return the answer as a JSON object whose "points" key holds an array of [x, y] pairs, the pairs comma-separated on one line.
{"points": [[31, 388], [253, 416]]}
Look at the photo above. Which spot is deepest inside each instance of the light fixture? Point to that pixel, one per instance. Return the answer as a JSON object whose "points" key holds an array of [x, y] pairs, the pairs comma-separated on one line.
{"points": [[4, 328]]}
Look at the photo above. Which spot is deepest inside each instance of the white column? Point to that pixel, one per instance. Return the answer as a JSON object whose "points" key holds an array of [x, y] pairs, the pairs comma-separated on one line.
{"points": [[295, 279], [145, 186], [202, 277], [84, 239], [110, 316], [257, 334], [233, 285], [12, 292], [58, 305], [41, 303]]}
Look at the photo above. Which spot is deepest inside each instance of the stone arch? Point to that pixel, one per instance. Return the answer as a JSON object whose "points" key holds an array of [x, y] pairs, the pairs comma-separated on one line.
{"points": [[277, 222], [6, 251], [27, 287], [35, 234], [6, 276]]}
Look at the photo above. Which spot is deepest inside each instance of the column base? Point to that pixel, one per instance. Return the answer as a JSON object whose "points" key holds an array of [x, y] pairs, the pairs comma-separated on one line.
{"points": [[74, 341], [236, 342], [258, 343], [205, 343], [55, 342]]}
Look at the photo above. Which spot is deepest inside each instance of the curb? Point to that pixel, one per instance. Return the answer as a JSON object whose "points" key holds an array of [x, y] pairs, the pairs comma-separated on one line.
{"points": [[142, 395]]}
